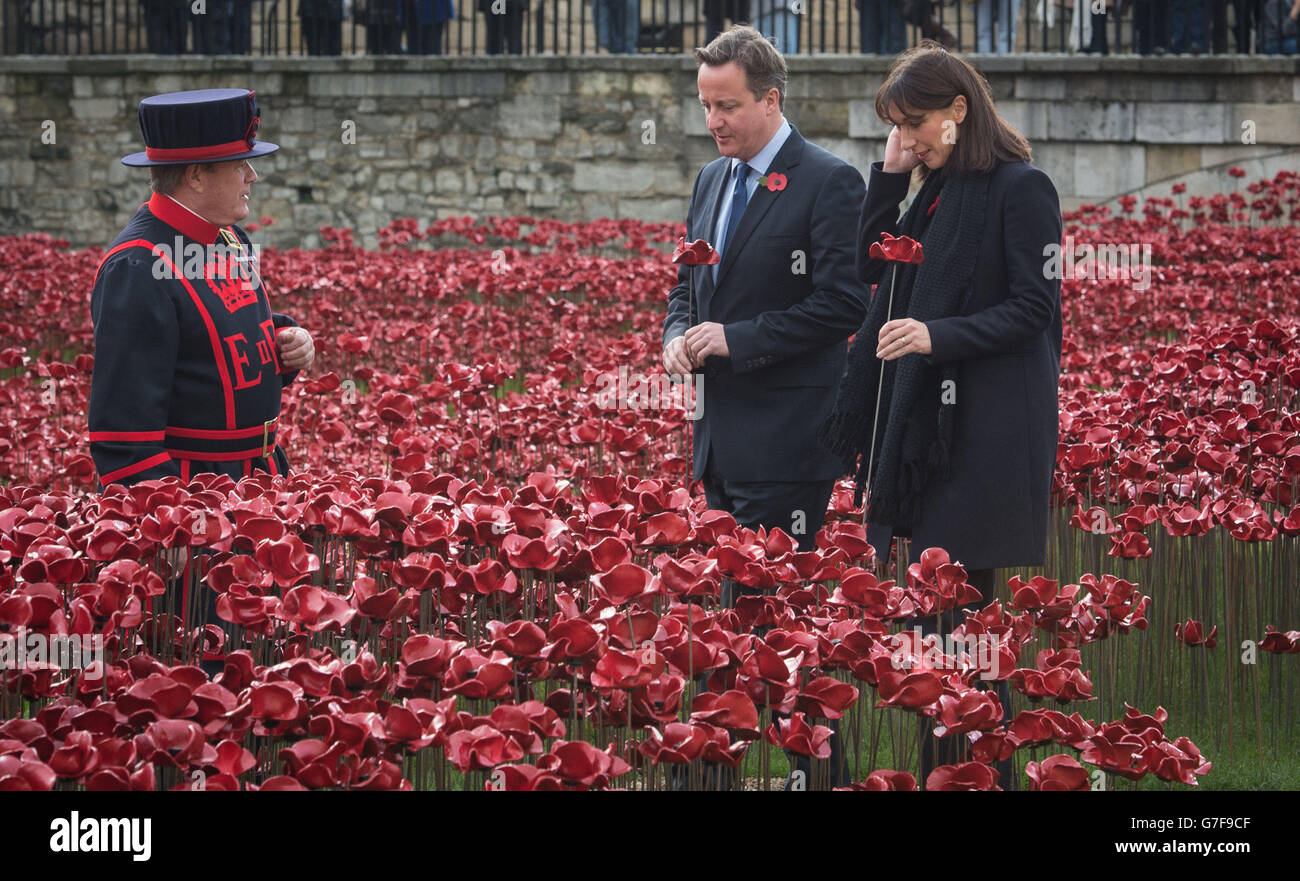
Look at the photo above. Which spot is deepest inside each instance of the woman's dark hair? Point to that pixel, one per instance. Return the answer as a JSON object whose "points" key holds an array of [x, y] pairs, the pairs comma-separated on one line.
{"points": [[929, 77]]}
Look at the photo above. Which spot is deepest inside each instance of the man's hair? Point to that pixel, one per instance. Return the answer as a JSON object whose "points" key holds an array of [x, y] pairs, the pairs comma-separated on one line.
{"points": [[166, 179], [763, 66], [929, 77]]}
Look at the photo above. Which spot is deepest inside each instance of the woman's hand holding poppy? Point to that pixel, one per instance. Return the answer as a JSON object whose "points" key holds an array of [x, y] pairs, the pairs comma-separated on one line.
{"points": [[903, 336]]}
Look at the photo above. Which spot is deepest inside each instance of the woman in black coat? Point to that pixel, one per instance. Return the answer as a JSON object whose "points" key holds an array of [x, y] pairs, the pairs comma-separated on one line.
{"points": [[965, 442]]}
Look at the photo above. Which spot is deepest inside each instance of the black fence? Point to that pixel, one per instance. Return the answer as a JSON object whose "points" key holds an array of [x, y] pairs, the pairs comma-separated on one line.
{"points": [[396, 27]]}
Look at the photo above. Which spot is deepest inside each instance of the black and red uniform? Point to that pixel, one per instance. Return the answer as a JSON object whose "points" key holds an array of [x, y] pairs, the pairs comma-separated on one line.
{"points": [[187, 378]]}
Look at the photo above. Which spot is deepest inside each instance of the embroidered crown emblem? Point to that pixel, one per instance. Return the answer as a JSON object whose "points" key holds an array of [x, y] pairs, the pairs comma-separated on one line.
{"points": [[228, 274], [227, 281]]}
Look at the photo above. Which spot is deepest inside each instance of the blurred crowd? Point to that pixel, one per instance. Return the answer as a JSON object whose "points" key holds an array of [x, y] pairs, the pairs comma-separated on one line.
{"points": [[884, 27]]}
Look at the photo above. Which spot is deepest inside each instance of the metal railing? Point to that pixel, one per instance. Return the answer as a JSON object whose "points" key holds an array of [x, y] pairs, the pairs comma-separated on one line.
{"points": [[393, 27]]}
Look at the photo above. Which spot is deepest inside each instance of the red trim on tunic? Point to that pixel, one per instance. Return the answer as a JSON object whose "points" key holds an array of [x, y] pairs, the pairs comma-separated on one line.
{"points": [[134, 469], [185, 470], [216, 433], [128, 436], [216, 151], [134, 243], [181, 219], [205, 456], [218, 355]]}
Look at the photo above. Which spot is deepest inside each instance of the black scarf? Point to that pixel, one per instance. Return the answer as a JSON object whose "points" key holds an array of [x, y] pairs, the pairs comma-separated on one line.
{"points": [[917, 416]]}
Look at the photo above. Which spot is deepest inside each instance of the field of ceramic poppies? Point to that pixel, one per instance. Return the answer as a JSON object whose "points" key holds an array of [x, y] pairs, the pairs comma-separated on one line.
{"points": [[482, 575]]}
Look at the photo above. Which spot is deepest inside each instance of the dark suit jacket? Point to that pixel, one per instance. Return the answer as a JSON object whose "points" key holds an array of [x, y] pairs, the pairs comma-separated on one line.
{"points": [[993, 510], [786, 329]]}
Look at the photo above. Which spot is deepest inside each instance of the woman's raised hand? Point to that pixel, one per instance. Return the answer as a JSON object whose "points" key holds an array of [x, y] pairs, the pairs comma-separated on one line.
{"points": [[898, 160]]}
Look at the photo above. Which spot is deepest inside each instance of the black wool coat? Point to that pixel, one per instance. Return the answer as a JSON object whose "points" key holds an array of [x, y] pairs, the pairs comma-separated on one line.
{"points": [[992, 511]]}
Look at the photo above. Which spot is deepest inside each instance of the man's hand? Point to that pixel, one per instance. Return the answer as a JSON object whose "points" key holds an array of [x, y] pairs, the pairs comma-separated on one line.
{"points": [[705, 339], [676, 361], [297, 351], [903, 336]]}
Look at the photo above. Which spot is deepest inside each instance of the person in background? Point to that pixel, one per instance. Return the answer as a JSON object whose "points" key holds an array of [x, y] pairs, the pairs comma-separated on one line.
{"points": [[1277, 27], [881, 27], [322, 26], [504, 20], [165, 24], [1187, 27], [778, 20], [618, 24], [1149, 19], [424, 21], [211, 27], [716, 12], [1097, 43], [1008, 15], [384, 27], [241, 27]]}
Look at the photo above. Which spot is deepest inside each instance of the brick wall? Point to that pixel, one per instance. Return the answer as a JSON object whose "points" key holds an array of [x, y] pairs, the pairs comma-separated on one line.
{"points": [[581, 137]]}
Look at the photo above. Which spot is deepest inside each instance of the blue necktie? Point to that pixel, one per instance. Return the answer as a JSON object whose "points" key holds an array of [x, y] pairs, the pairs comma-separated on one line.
{"points": [[739, 198]]}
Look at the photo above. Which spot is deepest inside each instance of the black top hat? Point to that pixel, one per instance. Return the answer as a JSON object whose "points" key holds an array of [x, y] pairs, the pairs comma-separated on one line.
{"points": [[207, 125]]}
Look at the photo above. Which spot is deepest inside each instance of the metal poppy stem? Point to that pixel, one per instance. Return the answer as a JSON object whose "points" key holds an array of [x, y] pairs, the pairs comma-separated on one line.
{"points": [[689, 453], [880, 386]]}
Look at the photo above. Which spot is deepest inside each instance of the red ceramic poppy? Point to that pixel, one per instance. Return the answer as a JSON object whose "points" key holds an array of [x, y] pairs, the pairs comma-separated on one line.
{"points": [[797, 736], [1287, 643], [1059, 773], [696, 253], [884, 780], [580, 765], [900, 249], [733, 710], [968, 776], [1193, 633]]}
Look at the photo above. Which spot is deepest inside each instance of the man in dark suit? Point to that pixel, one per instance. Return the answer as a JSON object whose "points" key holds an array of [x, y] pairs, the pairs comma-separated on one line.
{"points": [[771, 320]]}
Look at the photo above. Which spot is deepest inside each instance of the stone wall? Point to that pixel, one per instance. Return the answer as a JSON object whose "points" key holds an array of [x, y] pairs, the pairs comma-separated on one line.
{"points": [[582, 137]]}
